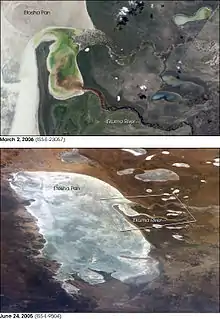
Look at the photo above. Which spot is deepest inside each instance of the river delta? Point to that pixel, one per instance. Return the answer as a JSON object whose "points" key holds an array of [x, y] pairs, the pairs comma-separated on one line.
{"points": [[110, 68]]}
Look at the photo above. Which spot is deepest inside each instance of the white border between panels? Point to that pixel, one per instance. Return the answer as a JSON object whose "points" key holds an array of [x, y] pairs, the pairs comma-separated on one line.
{"points": [[110, 142]]}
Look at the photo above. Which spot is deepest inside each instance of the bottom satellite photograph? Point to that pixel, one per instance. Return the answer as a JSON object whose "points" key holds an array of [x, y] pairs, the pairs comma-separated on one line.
{"points": [[109, 230]]}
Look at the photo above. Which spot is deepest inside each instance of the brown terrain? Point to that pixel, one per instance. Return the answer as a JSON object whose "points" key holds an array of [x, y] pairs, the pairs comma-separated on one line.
{"points": [[189, 267]]}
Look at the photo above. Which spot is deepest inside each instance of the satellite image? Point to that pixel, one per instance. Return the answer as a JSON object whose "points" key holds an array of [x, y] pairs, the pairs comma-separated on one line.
{"points": [[110, 67], [110, 230]]}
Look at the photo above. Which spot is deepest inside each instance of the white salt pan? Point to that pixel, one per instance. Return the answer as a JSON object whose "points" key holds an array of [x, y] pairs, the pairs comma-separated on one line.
{"points": [[126, 171], [181, 165], [82, 231], [157, 175], [135, 151]]}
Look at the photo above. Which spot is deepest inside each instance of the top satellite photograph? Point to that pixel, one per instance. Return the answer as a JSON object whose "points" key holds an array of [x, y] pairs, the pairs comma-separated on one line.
{"points": [[109, 68]]}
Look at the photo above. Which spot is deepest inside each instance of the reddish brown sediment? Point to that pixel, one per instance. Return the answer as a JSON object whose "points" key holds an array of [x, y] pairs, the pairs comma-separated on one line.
{"points": [[190, 267], [100, 96], [69, 83]]}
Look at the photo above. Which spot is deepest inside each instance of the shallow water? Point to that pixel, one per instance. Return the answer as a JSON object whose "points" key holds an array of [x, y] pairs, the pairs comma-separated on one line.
{"points": [[113, 65], [202, 14], [167, 96]]}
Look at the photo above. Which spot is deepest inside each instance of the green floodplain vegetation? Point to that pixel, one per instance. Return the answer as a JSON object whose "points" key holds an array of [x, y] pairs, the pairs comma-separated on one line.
{"points": [[82, 115], [65, 79], [73, 112], [77, 112], [76, 117]]}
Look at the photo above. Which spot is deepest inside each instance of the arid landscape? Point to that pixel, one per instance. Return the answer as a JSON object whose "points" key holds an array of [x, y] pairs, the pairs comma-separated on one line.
{"points": [[175, 194]]}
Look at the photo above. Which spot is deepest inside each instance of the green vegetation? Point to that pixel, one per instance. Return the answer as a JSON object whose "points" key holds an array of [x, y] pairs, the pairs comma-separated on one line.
{"points": [[61, 61], [80, 115]]}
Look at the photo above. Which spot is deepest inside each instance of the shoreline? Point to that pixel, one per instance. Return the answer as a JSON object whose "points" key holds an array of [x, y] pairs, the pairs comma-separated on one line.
{"points": [[194, 265], [18, 41]]}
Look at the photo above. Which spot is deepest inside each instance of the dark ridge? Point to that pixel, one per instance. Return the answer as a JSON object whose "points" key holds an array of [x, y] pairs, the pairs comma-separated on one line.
{"points": [[136, 8], [8, 203], [142, 96]]}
